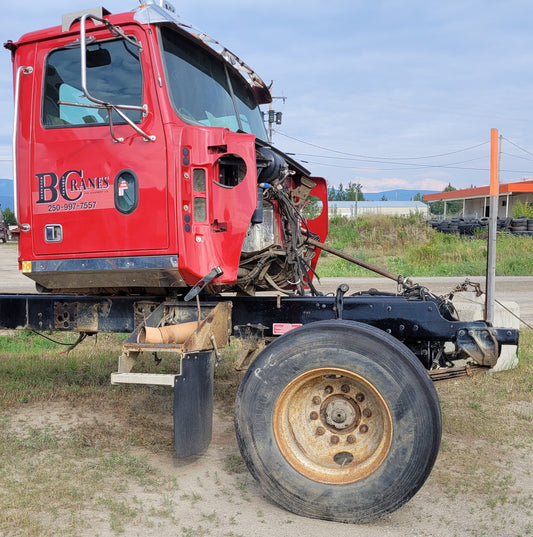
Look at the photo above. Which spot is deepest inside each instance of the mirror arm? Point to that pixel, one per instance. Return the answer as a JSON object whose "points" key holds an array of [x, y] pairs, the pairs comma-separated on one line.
{"points": [[118, 32], [110, 108], [147, 137]]}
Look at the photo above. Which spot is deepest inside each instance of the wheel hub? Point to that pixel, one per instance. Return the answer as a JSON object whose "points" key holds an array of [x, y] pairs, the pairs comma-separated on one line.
{"points": [[340, 413], [332, 426]]}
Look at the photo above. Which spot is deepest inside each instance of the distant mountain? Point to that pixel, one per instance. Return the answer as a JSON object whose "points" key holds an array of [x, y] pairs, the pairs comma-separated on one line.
{"points": [[6, 193], [396, 195]]}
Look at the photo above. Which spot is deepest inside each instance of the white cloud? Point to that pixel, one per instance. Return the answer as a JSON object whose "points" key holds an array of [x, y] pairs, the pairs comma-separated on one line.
{"points": [[432, 184], [383, 79]]}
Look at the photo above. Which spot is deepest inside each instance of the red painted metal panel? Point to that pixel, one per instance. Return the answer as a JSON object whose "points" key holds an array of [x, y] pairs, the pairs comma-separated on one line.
{"points": [[73, 171], [218, 240], [69, 175]]}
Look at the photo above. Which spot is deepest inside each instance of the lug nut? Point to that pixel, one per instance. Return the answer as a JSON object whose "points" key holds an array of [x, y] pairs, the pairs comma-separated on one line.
{"points": [[316, 400], [350, 439], [367, 413], [328, 390], [345, 388], [363, 429], [334, 439], [360, 397], [320, 431], [313, 415]]}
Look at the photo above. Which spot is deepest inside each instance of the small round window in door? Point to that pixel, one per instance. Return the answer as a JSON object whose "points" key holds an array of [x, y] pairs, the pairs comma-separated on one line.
{"points": [[126, 191]]}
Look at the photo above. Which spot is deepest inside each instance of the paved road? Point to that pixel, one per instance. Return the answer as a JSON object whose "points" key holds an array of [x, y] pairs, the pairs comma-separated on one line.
{"points": [[11, 280], [517, 289]]}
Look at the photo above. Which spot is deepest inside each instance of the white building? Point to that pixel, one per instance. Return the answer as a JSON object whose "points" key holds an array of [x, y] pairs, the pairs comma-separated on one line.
{"points": [[476, 201], [352, 209]]}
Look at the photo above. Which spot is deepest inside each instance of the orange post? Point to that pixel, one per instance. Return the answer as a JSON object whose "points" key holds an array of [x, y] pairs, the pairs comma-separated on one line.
{"points": [[493, 217], [494, 167]]}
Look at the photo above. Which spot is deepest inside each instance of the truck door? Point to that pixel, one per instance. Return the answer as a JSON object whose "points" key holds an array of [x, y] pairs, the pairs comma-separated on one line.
{"points": [[97, 185]]}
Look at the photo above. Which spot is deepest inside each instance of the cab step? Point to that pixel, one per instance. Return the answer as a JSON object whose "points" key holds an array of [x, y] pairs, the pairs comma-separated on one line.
{"points": [[152, 379]]}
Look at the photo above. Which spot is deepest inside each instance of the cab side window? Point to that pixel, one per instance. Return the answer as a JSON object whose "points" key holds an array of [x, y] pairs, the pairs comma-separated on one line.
{"points": [[113, 75]]}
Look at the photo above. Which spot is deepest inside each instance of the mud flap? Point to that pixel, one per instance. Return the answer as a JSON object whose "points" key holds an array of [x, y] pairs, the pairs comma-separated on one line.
{"points": [[193, 404]]}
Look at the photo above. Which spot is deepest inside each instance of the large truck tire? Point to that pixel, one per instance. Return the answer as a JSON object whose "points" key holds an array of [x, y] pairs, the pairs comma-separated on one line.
{"points": [[338, 420]]}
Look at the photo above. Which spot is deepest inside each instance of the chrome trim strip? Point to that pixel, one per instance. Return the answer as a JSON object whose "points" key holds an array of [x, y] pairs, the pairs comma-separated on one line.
{"points": [[107, 272], [26, 71], [106, 263]]}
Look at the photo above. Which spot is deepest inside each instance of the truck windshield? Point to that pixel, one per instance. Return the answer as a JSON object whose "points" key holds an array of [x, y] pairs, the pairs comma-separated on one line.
{"points": [[204, 91]]}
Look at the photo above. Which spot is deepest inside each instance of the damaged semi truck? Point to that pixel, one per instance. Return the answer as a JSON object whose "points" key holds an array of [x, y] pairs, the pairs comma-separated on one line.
{"points": [[150, 201]]}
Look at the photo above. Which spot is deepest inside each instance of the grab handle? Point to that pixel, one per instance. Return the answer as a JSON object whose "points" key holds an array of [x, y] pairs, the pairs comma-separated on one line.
{"points": [[25, 71]]}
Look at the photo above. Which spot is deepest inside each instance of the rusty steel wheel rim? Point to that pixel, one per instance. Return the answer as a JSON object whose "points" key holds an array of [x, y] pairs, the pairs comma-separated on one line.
{"points": [[332, 426]]}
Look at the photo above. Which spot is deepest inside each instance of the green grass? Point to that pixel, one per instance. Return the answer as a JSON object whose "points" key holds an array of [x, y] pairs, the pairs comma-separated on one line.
{"points": [[63, 474], [490, 406], [485, 418], [32, 367], [66, 480], [411, 247]]}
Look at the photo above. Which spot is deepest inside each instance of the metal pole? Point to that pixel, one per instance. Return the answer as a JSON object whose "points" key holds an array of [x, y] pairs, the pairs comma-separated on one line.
{"points": [[269, 125], [493, 216]]}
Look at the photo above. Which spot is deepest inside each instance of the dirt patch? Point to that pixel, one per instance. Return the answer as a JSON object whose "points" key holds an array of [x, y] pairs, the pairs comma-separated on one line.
{"points": [[142, 491], [57, 416]]}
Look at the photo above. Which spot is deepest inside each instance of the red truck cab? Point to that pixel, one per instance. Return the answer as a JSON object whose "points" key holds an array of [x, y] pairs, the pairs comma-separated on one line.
{"points": [[141, 162]]}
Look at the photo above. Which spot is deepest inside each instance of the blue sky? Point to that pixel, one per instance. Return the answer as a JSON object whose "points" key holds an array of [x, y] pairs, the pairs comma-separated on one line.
{"points": [[388, 94]]}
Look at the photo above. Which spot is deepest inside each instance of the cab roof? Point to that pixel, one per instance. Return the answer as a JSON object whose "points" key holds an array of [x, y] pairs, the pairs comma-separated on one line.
{"points": [[153, 12]]}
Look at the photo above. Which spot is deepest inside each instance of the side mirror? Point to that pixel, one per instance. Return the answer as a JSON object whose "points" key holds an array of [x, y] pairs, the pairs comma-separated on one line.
{"points": [[98, 58]]}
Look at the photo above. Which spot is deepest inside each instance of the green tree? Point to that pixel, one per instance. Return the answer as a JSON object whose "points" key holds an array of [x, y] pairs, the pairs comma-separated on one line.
{"points": [[354, 192], [452, 207], [341, 193], [523, 209], [9, 217]]}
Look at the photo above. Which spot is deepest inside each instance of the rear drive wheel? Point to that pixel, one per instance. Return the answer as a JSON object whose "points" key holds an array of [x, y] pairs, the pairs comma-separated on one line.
{"points": [[338, 420]]}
